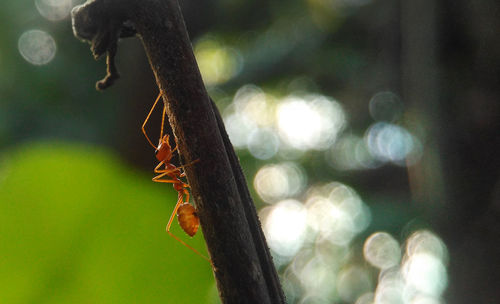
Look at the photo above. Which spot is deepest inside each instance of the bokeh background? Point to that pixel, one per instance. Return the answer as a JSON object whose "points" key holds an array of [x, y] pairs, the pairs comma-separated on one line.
{"points": [[368, 131]]}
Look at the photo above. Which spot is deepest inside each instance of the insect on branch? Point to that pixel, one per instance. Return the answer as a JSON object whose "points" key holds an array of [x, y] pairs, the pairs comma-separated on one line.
{"points": [[242, 262]]}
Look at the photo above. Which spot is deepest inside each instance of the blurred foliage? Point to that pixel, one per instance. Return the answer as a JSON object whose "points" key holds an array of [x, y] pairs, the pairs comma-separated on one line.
{"points": [[79, 227]]}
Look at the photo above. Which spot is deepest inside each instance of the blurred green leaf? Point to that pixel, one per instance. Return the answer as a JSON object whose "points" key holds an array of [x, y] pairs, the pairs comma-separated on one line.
{"points": [[78, 227]]}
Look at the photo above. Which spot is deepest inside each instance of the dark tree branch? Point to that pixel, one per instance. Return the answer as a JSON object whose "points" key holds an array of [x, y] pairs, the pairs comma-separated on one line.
{"points": [[254, 223], [243, 266]]}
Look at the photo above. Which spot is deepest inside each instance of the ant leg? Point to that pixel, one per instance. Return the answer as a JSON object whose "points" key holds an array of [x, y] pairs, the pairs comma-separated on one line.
{"points": [[172, 181], [159, 179], [158, 170], [189, 164], [179, 202], [147, 118], [163, 173], [163, 120], [168, 181], [184, 243]]}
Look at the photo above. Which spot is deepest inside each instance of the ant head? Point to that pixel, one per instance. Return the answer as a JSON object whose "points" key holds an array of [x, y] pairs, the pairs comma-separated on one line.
{"points": [[164, 151]]}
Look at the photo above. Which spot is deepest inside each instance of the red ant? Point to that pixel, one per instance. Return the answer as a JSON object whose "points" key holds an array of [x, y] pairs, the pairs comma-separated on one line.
{"points": [[186, 213]]}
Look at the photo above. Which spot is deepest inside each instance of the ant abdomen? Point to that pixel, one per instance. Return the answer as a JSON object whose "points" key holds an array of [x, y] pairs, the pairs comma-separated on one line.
{"points": [[188, 219]]}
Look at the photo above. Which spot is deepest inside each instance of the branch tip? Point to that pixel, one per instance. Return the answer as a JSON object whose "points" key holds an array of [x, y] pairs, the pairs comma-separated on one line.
{"points": [[96, 23]]}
